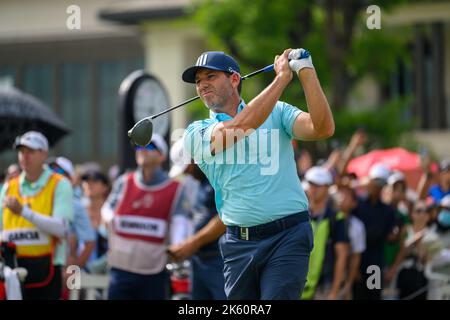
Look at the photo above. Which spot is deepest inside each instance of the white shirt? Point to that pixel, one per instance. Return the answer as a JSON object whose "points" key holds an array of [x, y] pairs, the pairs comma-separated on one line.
{"points": [[357, 235]]}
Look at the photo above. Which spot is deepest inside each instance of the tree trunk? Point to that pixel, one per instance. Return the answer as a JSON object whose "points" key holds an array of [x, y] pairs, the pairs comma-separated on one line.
{"points": [[341, 17]]}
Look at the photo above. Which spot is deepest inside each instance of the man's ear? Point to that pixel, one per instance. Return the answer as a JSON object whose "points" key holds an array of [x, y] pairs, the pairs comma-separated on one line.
{"points": [[235, 79]]}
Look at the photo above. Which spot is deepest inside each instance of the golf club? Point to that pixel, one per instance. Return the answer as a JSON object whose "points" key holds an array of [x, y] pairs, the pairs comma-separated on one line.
{"points": [[141, 133]]}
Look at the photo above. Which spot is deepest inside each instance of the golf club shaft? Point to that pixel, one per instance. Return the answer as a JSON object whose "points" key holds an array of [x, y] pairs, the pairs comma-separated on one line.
{"points": [[254, 73], [177, 106]]}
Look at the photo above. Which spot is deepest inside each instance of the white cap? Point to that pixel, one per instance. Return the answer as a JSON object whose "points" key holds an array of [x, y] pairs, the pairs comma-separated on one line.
{"points": [[66, 165], [33, 140], [395, 176], [379, 171], [445, 201], [180, 160], [305, 185], [319, 176], [160, 143]]}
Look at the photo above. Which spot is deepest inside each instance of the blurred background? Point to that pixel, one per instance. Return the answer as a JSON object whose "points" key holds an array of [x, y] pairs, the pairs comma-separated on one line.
{"points": [[392, 81], [384, 66]]}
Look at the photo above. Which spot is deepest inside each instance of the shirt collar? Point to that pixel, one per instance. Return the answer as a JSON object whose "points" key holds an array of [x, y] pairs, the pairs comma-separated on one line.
{"points": [[158, 177], [224, 116], [39, 183]]}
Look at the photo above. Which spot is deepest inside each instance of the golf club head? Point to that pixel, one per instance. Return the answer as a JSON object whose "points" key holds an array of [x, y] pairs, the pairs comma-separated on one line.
{"points": [[141, 133]]}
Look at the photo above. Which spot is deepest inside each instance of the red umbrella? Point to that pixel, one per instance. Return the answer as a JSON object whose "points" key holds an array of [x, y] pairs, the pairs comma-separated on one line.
{"points": [[395, 159]]}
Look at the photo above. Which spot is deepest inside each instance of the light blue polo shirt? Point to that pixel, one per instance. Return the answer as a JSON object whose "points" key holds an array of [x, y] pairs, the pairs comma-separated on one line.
{"points": [[255, 180]]}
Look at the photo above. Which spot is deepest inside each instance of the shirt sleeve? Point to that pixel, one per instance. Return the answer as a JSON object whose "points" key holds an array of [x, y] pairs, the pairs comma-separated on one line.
{"points": [[113, 199], [359, 238], [181, 225], [340, 233], [2, 196], [390, 220], [197, 140], [288, 114], [182, 206], [81, 225], [63, 196]]}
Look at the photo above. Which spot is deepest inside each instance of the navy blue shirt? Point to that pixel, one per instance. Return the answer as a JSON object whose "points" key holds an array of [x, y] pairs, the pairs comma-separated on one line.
{"points": [[204, 210], [379, 221], [338, 233]]}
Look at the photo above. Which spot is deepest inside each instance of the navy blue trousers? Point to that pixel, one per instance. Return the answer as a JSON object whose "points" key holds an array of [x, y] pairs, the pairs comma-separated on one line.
{"points": [[271, 268], [207, 280], [126, 285]]}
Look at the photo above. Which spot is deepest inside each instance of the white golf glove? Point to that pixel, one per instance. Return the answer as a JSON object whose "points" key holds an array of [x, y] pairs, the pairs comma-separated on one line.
{"points": [[300, 58]]}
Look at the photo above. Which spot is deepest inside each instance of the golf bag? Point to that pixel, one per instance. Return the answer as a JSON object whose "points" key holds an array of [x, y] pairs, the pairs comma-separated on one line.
{"points": [[180, 280]]}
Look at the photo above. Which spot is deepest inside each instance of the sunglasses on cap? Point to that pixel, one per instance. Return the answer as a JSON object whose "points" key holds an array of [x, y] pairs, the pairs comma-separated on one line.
{"points": [[150, 146]]}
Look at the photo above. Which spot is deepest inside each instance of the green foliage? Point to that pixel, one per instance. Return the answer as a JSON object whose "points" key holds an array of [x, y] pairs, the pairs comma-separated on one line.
{"points": [[378, 52], [198, 110], [385, 126], [255, 31]]}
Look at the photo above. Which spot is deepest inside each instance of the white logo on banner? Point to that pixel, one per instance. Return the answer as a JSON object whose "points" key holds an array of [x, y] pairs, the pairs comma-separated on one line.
{"points": [[145, 202]]}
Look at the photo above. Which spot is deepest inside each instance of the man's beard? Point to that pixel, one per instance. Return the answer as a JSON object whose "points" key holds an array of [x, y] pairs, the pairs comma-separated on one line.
{"points": [[216, 107]]}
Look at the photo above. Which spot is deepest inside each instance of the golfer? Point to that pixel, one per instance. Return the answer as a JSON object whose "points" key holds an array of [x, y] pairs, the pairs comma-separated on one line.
{"points": [[258, 194]]}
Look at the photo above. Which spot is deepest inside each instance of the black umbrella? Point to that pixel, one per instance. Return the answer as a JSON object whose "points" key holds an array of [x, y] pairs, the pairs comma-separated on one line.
{"points": [[21, 112]]}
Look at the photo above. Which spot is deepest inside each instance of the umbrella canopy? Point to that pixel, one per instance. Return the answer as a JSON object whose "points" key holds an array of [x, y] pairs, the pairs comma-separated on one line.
{"points": [[21, 112], [394, 158]]}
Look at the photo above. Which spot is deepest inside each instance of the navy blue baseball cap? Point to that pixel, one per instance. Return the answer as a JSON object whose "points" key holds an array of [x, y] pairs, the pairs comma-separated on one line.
{"points": [[215, 60]]}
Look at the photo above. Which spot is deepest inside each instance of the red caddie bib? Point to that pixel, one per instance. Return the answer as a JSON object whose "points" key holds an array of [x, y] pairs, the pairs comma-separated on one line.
{"points": [[144, 212]]}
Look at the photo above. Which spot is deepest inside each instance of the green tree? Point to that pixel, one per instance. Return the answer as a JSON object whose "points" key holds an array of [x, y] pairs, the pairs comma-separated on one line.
{"points": [[344, 50]]}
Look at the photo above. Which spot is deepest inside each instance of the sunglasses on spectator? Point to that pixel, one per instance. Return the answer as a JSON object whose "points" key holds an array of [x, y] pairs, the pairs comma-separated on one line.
{"points": [[95, 176]]}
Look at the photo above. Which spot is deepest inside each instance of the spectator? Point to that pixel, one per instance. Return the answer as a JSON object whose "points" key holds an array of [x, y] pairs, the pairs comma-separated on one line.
{"points": [[440, 190], [379, 221], [409, 266], [181, 170], [397, 187], [443, 218], [34, 207], [140, 212], [207, 264], [81, 232], [346, 201], [331, 243], [96, 188]]}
